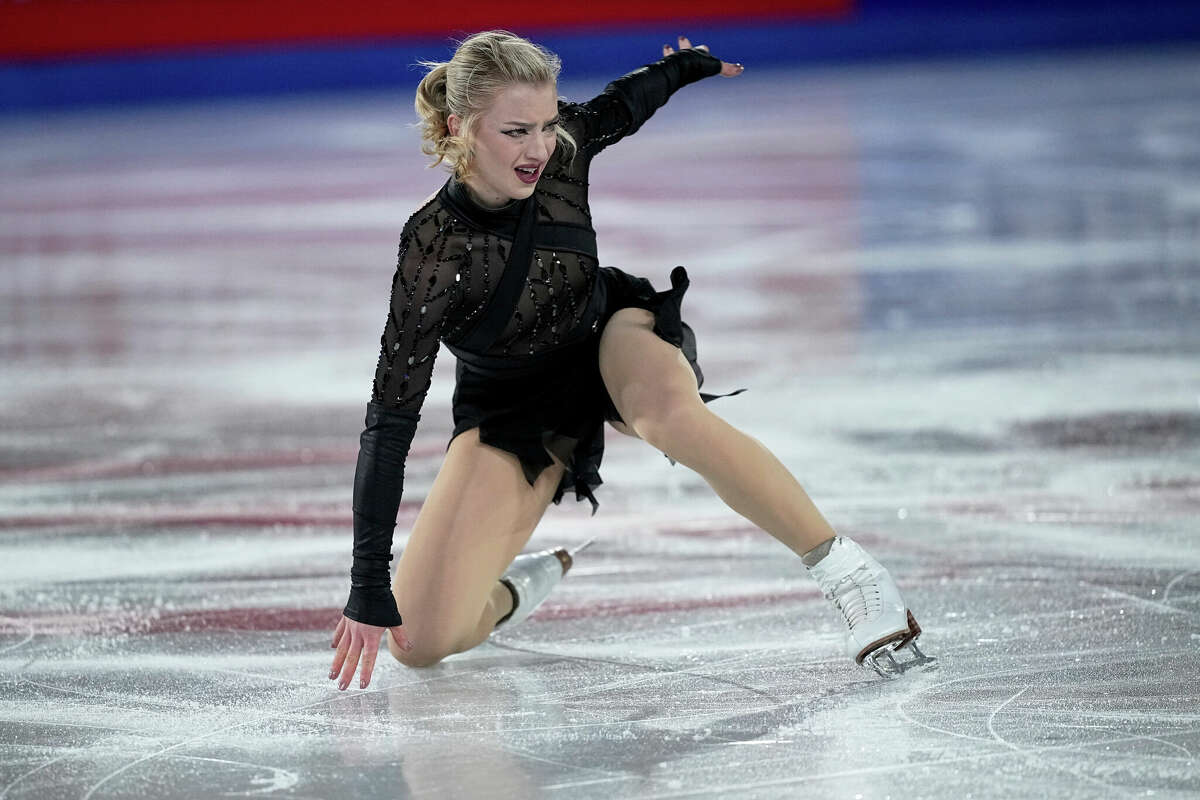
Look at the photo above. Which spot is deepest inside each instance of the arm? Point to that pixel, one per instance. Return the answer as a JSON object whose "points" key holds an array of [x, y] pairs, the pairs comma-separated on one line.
{"points": [[420, 298], [626, 103]]}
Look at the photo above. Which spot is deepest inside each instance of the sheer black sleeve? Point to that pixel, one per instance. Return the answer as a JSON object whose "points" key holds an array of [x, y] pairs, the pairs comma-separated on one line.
{"points": [[626, 103], [423, 289]]}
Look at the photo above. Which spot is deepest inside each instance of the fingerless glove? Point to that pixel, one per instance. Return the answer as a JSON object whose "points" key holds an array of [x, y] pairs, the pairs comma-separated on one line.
{"points": [[378, 485]]}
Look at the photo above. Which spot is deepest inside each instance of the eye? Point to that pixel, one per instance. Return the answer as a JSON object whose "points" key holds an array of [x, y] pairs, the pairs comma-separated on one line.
{"points": [[519, 131]]}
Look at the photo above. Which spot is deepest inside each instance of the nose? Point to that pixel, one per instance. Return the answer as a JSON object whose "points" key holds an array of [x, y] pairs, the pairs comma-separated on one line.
{"points": [[539, 148]]}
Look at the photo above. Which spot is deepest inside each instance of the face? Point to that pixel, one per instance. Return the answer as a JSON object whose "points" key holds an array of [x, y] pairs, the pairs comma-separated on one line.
{"points": [[517, 131]]}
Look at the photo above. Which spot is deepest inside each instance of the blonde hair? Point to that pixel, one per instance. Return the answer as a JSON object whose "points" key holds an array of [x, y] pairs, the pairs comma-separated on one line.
{"points": [[483, 65]]}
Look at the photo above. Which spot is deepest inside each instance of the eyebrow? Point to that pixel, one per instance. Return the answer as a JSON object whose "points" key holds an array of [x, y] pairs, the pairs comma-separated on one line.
{"points": [[557, 117]]}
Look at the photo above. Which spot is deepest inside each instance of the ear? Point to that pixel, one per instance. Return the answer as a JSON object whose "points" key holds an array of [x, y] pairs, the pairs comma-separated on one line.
{"points": [[453, 122]]}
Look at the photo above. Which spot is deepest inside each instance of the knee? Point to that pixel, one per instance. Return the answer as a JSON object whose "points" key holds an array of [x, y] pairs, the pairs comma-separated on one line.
{"points": [[669, 419], [423, 653]]}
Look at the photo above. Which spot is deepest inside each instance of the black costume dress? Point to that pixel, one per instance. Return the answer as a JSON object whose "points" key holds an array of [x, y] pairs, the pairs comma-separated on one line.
{"points": [[535, 388]]}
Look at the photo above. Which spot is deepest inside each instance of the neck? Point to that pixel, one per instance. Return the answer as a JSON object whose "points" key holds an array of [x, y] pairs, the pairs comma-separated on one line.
{"points": [[491, 205]]}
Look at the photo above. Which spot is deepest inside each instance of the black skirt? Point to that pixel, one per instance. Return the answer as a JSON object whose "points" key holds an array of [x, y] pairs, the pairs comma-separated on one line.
{"points": [[557, 402]]}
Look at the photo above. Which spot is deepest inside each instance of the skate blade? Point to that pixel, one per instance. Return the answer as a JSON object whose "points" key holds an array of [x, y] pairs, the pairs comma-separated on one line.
{"points": [[879, 656], [583, 547]]}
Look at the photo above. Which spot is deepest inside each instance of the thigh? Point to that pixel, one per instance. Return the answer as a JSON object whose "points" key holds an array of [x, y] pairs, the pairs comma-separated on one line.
{"points": [[644, 374], [478, 516]]}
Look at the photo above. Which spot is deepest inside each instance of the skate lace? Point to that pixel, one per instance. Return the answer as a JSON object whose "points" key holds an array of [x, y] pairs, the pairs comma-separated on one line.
{"points": [[857, 596]]}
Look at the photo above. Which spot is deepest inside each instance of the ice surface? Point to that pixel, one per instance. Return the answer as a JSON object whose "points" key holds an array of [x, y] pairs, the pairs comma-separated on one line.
{"points": [[964, 298]]}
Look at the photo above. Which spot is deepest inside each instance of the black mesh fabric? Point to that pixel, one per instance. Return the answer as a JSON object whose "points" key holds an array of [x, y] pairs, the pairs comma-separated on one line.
{"points": [[447, 266], [451, 255]]}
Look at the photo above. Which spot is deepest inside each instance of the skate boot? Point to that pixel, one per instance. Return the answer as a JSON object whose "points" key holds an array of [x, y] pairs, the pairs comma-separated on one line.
{"points": [[531, 576], [878, 623]]}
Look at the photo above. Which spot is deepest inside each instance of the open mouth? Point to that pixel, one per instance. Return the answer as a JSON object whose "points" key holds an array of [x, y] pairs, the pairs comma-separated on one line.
{"points": [[528, 174]]}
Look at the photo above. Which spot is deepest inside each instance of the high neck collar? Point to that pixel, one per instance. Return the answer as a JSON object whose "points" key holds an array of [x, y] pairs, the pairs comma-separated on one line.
{"points": [[459, 192]]}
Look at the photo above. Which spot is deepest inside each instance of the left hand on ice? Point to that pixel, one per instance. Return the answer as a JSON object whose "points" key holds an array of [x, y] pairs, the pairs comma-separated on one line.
{"points": [[727, 69], [352, 640]]}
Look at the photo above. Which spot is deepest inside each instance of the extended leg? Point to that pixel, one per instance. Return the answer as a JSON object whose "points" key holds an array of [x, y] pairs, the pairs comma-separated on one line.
{"points": [[654, 389]]}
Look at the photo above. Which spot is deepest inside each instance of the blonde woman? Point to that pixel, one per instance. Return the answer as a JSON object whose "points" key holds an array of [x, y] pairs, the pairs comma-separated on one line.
{"points": [[500, 265]]}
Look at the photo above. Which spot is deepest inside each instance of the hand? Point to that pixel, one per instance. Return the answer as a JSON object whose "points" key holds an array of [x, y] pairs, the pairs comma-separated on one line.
{"points": [[728, 70], [354, 640]]}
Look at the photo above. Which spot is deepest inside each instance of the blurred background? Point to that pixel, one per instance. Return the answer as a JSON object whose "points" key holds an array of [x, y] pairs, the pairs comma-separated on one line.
{"points": [[56, 53]]}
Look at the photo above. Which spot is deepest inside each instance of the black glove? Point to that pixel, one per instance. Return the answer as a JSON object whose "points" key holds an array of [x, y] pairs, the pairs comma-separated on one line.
{"points": [[378, 484]]}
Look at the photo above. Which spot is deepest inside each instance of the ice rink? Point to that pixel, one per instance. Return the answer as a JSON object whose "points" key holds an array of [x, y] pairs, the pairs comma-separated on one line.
{"points": [[963, 296]]}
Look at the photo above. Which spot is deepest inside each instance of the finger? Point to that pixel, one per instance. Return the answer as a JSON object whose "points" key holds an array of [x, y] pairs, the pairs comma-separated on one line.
{"points": [[667, 50], [401, 637], [339, 657], [684, 43], [338, 631], [351, 662], [368, 665], [703, 47], [731, 70]]}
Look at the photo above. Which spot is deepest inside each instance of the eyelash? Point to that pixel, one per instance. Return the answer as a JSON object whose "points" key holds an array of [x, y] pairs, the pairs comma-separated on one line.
{"points": [[523, 130]]}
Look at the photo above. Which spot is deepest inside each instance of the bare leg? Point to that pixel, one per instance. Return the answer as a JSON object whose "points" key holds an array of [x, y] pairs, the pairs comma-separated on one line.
{"points": [[479, 514], [655, 390]]}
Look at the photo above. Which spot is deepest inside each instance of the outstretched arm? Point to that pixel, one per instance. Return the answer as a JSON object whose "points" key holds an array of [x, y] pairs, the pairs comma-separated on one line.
{"points": [[422, 290], [626, 103]]}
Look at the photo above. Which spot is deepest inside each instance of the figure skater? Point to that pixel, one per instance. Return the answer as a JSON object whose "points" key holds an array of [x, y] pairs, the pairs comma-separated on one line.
{"points": [[500, 265]]}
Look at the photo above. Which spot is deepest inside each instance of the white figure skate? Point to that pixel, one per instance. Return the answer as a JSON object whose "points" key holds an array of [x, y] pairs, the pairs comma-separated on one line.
{"points": [[878, 623], [531, 576]]}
